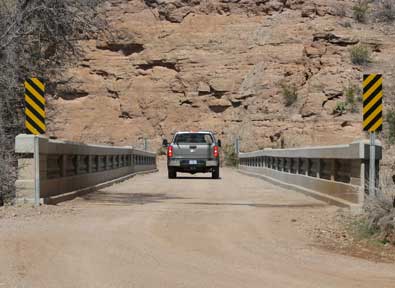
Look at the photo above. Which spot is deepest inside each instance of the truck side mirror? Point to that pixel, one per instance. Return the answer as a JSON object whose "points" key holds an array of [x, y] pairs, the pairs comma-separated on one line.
{"points": [[165, 143], [219, 143]]}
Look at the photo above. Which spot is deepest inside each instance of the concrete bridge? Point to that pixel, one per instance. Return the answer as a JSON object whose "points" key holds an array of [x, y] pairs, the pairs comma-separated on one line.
{"points": [[52, 171], [149, 231]]}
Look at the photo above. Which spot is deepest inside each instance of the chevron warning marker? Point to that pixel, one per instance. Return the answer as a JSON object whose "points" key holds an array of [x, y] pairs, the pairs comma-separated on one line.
{"points": [[35, 106], [372, 102]]}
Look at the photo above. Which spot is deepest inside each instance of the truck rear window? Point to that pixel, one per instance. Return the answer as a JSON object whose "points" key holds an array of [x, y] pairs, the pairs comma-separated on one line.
{"points": [[196, 138]]}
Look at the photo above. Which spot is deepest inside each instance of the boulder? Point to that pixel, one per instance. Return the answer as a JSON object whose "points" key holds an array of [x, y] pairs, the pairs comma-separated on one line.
{"points": [[203, 88], [221, 85], [314, 51], [312, 105], [219, 105]]}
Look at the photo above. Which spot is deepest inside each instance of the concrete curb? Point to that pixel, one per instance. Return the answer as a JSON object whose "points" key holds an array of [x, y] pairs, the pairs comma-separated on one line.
{"points": [[317, 195], [53, 200]]}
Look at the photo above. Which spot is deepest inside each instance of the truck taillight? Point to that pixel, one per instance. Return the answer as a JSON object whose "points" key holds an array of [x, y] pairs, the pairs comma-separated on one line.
{"points": [[215, 152], [170, 151]]}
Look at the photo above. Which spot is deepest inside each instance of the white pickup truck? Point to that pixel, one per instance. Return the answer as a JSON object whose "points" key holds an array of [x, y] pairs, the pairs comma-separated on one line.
{"points": [[193, 152]]}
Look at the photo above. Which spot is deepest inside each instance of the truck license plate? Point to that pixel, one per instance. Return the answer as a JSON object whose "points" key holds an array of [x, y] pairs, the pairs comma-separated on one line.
{"points": [[192, 162]]}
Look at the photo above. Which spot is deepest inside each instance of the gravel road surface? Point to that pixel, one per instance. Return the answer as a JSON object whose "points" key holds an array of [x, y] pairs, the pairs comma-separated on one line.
{"points": [[149, 231]]}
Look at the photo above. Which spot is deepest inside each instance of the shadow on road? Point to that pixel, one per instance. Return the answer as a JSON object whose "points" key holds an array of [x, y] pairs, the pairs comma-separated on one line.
{"points": [[318, 205], [196, 178], [103, 197]]}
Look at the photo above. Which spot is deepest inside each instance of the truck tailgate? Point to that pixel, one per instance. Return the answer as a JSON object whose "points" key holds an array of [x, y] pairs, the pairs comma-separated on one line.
{"points": [[193, 151]]}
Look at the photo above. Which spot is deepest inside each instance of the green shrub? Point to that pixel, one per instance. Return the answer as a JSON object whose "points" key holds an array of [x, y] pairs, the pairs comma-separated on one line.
{"points": [[341, 108], [360, 55], [363, 230], [351, 93], [230, 156], [360, 10], [386, 11], [346, 24], [289, 93], [391, 126]]}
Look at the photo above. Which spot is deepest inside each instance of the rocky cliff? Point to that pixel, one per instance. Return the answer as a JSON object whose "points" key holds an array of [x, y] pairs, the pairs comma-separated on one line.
{"points": [[226, 65]]}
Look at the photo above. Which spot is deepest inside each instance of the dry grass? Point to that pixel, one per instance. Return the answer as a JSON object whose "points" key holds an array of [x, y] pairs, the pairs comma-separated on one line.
{"points": [[381, 215], [381, 210]]}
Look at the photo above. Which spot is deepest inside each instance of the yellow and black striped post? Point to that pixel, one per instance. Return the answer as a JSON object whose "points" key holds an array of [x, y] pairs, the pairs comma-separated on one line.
{"points": [[372, 102], [372, 119], [35, 106]]}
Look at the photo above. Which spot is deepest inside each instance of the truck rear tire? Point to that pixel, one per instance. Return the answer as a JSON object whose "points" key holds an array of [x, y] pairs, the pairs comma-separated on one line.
{"points": [[172, 173], [215, 173]]}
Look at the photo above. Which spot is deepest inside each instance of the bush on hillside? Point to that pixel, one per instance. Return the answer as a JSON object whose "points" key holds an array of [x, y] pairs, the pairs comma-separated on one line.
{"points": [[386, 11], [351, 93], [360, 55], [391, 126], [346, 24], [340, 109], [289, 93], [360, 10]]}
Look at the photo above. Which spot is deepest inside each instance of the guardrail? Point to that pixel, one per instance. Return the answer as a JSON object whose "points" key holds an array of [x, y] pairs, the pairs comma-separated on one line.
{"points": [[50, 169], [334, 173]]}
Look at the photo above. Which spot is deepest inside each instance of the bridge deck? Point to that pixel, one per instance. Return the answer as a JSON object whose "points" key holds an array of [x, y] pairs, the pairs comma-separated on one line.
{"points": [[190, 232]]}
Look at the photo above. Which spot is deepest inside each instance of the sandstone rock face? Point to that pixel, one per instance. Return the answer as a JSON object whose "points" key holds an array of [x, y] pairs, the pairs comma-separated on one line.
{"points": [[217, 65]]}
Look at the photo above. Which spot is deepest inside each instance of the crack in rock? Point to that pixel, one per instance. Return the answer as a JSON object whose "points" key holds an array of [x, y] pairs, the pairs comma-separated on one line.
{"points": [[334, 39], [158, 63], [126, 49]]}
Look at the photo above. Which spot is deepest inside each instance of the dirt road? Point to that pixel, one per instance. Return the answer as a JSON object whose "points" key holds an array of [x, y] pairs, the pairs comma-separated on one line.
{"points": [[153, 232]]}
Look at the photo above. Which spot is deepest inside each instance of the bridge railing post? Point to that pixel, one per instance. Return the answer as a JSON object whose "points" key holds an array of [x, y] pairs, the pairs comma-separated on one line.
{"points": [[333, 169], [318, 168], [299, 166]]}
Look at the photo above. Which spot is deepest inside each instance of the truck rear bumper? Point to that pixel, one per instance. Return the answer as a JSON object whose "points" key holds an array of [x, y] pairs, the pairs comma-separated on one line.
{"points": [[185, 163]]}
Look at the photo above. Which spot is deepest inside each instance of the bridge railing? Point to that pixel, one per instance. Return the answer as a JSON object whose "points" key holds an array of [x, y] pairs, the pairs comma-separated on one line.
{"points": [[334, 173], [68, 167]]}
